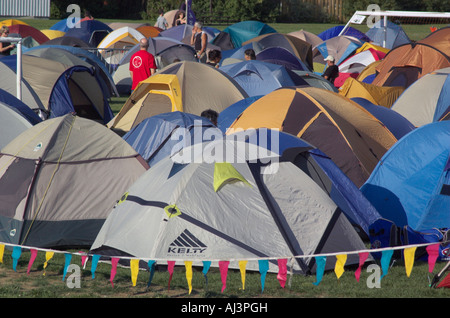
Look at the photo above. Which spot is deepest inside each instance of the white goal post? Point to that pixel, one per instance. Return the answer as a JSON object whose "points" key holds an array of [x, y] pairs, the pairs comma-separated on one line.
{"points": [[359, 17]]}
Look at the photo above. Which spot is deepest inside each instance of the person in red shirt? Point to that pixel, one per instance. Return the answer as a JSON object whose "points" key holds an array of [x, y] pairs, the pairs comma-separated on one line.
{"points": [[142, 64]]}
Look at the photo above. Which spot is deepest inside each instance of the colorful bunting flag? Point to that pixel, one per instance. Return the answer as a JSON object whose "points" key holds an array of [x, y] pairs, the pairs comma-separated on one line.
{"points": [[386, 256], [433, 254], [134, 268], [320, 268], [408, 254], [188, 265], [84, 259], [339, 266], [223, 267], [17, 251], [2, 251], [151, 266], [263, 269], [362, 259], [33, 254], [94, 264], [48, 256], [206, 266], [242, 267], [114, 262], [171, 265], [282, 272], [68, 259]]}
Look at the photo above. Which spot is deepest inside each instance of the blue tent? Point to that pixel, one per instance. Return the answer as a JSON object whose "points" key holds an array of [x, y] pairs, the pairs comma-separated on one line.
{"points": [[161, 135], [90, 31], [229, 114], [281, 56], [349, 31], [21, 107], [395, 35], [61, 25], [261, 78], [320, 168], [411, 184], [246, 30], [398, 125]]}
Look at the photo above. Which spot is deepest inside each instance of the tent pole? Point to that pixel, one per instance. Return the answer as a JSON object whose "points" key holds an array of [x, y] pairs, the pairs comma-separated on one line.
{"points": [[19, 70]]}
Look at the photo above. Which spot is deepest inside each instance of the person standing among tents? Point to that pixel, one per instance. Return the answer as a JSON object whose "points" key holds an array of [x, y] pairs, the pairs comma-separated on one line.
{"points": [[5, 47], [161, 22], [142, 64], [332, 70], [199, 39]]}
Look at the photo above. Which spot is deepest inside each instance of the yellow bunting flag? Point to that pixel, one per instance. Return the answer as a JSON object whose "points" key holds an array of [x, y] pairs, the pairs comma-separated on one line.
{"points": [[2, 250], [340, 262], [48, 257], [409, 259], [134, 267], [188, 265], [242, 266]]}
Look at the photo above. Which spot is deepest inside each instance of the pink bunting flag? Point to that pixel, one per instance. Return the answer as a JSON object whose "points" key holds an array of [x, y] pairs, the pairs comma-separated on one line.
{"points": [[282, 272], [32, 258], [171, 265], [362, 259], [114, 262], [84, 259], [223, 267], [433, 253]]}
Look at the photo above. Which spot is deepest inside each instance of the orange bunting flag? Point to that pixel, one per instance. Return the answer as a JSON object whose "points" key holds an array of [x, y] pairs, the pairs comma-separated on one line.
{"points": [[340, 262], [134, 267], [188, 265], [33, 255], [2, 251], [409, 259], [242, 267]]}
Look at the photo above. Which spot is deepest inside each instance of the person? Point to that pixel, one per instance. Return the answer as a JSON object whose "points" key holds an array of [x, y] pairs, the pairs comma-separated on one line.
{"points": [[181, 19], [142, 64], [332, 70], [161, 22], [249, 54], [5, 47], [214, 57], [199, 40], [210, 114]]}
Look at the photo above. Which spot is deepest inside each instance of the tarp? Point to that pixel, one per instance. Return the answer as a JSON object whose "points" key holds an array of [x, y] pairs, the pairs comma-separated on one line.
{"points": [[427, 100], [225, 209], [60, 179], [352, 137], [410, 185]]}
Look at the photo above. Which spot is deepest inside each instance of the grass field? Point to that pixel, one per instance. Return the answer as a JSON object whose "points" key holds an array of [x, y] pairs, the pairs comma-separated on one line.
{"points": [[48, 283]]}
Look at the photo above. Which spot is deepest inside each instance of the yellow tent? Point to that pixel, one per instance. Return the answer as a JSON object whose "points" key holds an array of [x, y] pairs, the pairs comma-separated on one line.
{"points": [[378, 95], [368, 45], [9, 22], [368, 70], [53, 34]]}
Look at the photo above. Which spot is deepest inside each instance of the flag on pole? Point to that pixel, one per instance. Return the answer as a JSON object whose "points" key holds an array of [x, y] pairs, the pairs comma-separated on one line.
{"points": [[190, 16]]}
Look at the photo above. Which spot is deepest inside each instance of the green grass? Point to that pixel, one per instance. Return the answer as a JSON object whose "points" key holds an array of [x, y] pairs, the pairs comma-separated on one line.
{"points": [[48, 282]]}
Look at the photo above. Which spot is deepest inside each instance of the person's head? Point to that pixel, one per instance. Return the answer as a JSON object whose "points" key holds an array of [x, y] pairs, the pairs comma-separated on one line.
{"points": [[181, 15], [198, 25], [249, 55], [143, 44], [329, 60], [161, 12], [214, 56], [210, 114], [4, 30]]}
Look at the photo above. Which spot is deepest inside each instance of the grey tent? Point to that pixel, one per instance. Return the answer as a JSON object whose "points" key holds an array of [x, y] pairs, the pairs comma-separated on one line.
{"points": [[60, 179], [12, 124], [201, 206]]}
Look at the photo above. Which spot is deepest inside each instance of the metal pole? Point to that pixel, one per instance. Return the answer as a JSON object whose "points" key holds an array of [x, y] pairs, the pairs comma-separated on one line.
{"points": [[19, 63], [385, 31]]}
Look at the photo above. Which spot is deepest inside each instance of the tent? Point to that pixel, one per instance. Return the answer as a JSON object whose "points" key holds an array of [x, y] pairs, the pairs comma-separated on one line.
{"points": [[12, 124], [393, 36], [90, 31], [298, 47], [162, 135], [61, 25], [27, 30], [315, 80], [208, 209], [69, 41], [67, 88], [261, 78], [9, 22], [339, 47], [281, 56], [244, 31], [352, 137], [309, 37], [360, 60], [190, 87], [427, 100], [410, 185], [59, 181], [229, 114], [19, 106], [395, 122], [149, 31], [53, 34], [369, 73], [378, 95], [349, 32], [407, 63]]}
